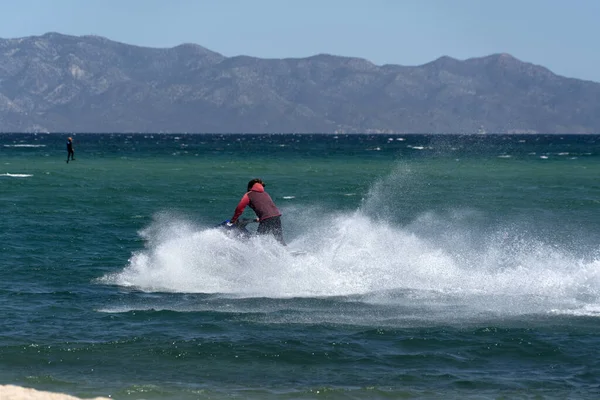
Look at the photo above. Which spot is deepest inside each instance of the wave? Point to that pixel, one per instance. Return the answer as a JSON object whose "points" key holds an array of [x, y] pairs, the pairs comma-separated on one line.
{"points": [[17, 175], [24, 145]]}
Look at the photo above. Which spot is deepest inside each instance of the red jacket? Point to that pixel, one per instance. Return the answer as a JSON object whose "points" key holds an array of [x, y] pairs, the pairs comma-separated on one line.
{"points": [[259, 201]]}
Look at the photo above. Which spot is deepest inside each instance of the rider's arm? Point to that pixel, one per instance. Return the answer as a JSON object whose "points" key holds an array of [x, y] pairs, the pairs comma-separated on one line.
{"points": [[240, 208]]}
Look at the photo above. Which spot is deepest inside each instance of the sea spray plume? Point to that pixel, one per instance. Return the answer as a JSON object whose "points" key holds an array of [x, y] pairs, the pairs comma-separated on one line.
{"points": [[163, 260], [445, 261], [505, 258], [483, 257], [165, 225], [178, 258], [349, 254], [394, 196]]}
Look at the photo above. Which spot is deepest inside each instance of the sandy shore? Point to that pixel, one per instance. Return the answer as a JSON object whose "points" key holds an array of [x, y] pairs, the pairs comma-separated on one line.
{"points": [[10, 392]]}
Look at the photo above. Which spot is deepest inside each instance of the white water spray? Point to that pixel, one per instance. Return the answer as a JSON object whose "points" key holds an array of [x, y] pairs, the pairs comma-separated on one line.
{"points": [[435, 258]]}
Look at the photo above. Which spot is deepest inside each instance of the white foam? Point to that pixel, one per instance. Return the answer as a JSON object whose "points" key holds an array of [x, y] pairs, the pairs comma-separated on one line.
{"points": [[587, 310], [24, 145], [355, 255], [446, 262], [17, 175]]}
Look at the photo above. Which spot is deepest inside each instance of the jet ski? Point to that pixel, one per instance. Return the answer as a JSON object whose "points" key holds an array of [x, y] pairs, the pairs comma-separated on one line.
{"points": [[237, 230]]}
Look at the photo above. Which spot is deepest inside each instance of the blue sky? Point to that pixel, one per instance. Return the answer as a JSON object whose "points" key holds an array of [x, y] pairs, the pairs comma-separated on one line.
{"points": [[558, 34]]}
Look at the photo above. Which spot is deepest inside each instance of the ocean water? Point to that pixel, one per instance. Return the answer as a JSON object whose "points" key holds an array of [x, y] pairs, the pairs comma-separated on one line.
{"points": [[435, 266]]}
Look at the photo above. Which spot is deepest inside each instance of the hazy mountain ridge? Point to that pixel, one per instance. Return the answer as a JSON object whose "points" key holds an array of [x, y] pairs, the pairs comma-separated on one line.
{"points": [[59, 83]]}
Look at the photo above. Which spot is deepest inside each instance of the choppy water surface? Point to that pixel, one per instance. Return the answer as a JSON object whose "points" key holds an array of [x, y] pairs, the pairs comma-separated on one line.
{"points": [[435, 266]]}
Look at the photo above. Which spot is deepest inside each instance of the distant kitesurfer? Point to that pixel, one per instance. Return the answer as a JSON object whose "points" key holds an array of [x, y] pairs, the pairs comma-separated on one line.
{"points": [[269, 217], [70, 152]]}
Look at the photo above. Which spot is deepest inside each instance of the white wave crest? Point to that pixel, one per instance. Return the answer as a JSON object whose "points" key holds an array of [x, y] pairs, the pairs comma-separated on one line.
{"points": [[24, 145], [17, 175]]}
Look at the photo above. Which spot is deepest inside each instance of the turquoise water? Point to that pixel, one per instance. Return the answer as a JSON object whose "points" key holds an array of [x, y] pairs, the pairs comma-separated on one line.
{"points": [[436, 266]]}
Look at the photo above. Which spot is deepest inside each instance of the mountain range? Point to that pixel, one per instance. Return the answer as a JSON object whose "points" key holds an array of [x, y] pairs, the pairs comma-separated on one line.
{"points": [[61, 83]]}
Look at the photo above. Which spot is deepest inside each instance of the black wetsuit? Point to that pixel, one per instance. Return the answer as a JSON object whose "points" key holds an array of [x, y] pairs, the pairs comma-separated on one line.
{"points": [[70, 152]]}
